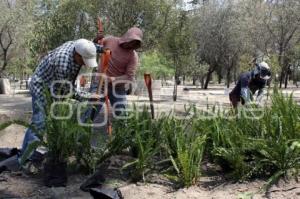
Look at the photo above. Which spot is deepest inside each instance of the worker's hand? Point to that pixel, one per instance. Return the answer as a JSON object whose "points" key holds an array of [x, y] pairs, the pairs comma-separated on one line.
{"points": [[252, 104], [100, 48], [111, 79], [94, 97], [98, 38]]}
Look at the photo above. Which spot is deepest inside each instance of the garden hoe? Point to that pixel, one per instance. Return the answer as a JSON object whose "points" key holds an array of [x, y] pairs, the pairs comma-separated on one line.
{"points": [[148, 82]]}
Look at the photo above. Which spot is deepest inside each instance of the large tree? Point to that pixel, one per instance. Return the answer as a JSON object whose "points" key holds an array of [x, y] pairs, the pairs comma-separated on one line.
{"points": [[274, 28], [282, 21], [178, 45], [220, 38], [60, 21], [14, 25]]}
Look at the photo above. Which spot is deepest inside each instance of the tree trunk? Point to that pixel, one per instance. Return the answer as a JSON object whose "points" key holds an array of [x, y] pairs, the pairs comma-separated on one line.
{"points": [[4, 63], [175, 80], [175, 92], [228, 77], [235, 76], [286, 80], [208, 77], [281, 78], [194, 81], [220, 78], [281, 64]]}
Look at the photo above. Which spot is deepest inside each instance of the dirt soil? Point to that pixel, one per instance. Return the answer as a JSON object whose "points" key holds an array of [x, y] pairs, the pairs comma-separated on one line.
{"points": [[21, 185], [210, 186]]}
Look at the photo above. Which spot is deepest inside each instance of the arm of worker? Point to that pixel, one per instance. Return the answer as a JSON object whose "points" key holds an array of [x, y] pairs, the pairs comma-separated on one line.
{"points": [[245, 92], [91, 95], [81, 95], [261, 93], [99, 48], [98, 38]]}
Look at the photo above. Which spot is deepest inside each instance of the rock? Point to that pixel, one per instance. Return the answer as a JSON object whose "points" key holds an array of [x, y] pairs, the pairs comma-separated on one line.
{"points": [[57, 192], [5, 86]]}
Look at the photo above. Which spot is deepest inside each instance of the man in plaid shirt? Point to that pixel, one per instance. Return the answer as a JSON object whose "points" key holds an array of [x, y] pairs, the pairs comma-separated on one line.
{"points": [[56, 70]]}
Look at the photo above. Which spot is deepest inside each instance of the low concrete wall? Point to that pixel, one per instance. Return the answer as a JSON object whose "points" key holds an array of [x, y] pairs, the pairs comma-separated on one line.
{"points": [[5, 86], [140, 87]]}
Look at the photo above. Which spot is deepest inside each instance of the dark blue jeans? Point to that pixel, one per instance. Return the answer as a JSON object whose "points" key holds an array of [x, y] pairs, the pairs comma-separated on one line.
{"points": [[37, 122], [117, 100]]}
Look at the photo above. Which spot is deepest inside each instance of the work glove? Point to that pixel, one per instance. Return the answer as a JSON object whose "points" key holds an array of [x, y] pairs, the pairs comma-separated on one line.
{"points": [[98, 37], [100, 48]]}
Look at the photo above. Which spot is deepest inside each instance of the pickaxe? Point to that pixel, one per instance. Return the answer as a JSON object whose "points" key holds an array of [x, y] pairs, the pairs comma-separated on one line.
{"points": [[148, 82], [103, 66]]}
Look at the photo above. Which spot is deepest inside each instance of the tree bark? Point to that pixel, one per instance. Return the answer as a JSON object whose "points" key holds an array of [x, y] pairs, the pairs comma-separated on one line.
{"points": [[175, 80], [4, 63], [286, 80], [194, 81], [228, 77], [4, 47], [208, 77]]}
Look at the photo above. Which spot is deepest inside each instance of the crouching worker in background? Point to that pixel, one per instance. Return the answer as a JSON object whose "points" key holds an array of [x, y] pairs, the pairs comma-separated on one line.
{"points": [[249, 83]]}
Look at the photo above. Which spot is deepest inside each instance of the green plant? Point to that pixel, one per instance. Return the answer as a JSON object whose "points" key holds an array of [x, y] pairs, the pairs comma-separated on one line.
{"points": [[63, 136], [252, 144], [228, 144], [185, 146], [137, 132], [278, 141], [145, 142]]}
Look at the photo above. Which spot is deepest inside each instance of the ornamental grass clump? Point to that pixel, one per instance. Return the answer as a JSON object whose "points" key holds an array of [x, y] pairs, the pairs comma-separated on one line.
{"points": [[63, 137], [277, 142], [185, 147], [259, 141], [145, 143]]}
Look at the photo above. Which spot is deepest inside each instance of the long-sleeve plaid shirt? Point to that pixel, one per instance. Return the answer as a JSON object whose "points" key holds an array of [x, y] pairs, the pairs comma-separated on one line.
{"points": [[59, 64]]}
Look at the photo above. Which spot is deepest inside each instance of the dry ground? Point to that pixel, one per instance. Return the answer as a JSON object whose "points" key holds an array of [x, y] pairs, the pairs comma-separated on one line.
{"points": [[20, 185]]}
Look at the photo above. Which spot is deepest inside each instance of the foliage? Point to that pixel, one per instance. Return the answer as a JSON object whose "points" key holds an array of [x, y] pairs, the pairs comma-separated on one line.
{"points": [[63, 136], [153, 17], [15, 26], [253, 142], [64, 21], [156, 64], [185, 146], [145, 141], [268, 148]]}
